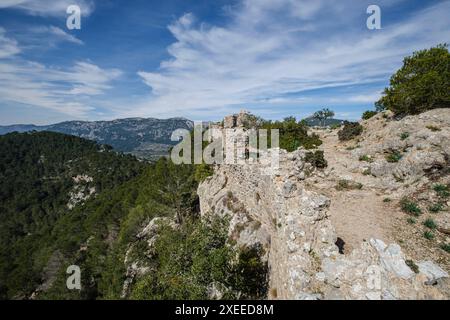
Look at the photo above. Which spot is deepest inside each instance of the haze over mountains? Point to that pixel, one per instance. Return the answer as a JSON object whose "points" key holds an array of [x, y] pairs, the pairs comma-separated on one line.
{"points": [[147, 138]]}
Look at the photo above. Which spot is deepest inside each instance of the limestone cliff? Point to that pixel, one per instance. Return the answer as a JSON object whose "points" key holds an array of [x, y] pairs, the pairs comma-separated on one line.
{"points": [[290, 213]]}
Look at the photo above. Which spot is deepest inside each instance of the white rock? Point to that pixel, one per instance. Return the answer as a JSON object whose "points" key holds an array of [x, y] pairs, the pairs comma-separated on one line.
{"points": [[307, 246], [308, 296], [375, 295], [320, 276], [357, 288], [378, 244], [431, 270], [391, 258], [387, 295]]}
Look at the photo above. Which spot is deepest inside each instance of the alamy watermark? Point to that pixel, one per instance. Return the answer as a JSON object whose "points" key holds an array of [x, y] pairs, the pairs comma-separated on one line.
{"points": [[73, 282], [236, 146], [74, 19], [374, 20]]}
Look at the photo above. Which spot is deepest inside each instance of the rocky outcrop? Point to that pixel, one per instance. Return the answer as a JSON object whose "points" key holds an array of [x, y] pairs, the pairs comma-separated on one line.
{"points": [[280, 211], [82, 190], [236, 120], [420, 143], [378, 271], [291, 224], [275, 211], [137, 263]]}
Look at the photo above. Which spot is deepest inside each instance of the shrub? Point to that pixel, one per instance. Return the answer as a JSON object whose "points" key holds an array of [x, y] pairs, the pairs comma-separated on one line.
{"points": [[436, 207], [428, 235], [429, 223], [191, 257], [335, 126], [365, 158], [393, 156], [184, 262], [251, 121], [293, 134], [350, 131], [445, 247], [410, 207], [387, 200], [202, 171], [368, 114], [316, 159], [433, 128], [411, 220], [412, 265], [421, 84], [249, 275], [348, 185], [404, 135], [442, 190]]}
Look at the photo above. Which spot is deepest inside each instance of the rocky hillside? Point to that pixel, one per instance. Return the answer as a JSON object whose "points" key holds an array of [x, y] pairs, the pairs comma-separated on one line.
{"points": [[372, 225], [144, 138]]}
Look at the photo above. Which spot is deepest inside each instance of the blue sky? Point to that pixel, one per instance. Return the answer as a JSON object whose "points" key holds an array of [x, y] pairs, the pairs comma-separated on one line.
{"points": [[204, 59]]}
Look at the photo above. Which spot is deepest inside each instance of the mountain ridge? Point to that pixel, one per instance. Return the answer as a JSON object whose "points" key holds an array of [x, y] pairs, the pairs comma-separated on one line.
{"points": [[147, 138]]}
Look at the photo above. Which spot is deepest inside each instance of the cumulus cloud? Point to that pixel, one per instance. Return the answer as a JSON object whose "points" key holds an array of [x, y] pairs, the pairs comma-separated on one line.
{"points": [[279, 49]]}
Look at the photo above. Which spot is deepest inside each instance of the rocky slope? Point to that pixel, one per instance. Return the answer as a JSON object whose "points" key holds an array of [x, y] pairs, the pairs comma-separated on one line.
{"points": [[329, 239], [145, 138]]}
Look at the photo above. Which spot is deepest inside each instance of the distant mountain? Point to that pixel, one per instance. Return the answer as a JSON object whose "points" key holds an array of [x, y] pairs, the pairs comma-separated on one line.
{"points": [[143, 137], [20, 128], [329, 122]]}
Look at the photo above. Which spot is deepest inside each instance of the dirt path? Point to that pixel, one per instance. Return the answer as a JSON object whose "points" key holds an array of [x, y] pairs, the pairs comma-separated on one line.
{"points": [[356, 214]]}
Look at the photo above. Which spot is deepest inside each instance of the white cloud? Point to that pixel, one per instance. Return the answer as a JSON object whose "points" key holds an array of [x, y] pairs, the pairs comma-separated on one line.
{"points": [[11, 3], [48, 7], [365, 98], [8, 47], [60, 34], [66, 91], [90, 79], [43, 38], [273, 48]]}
